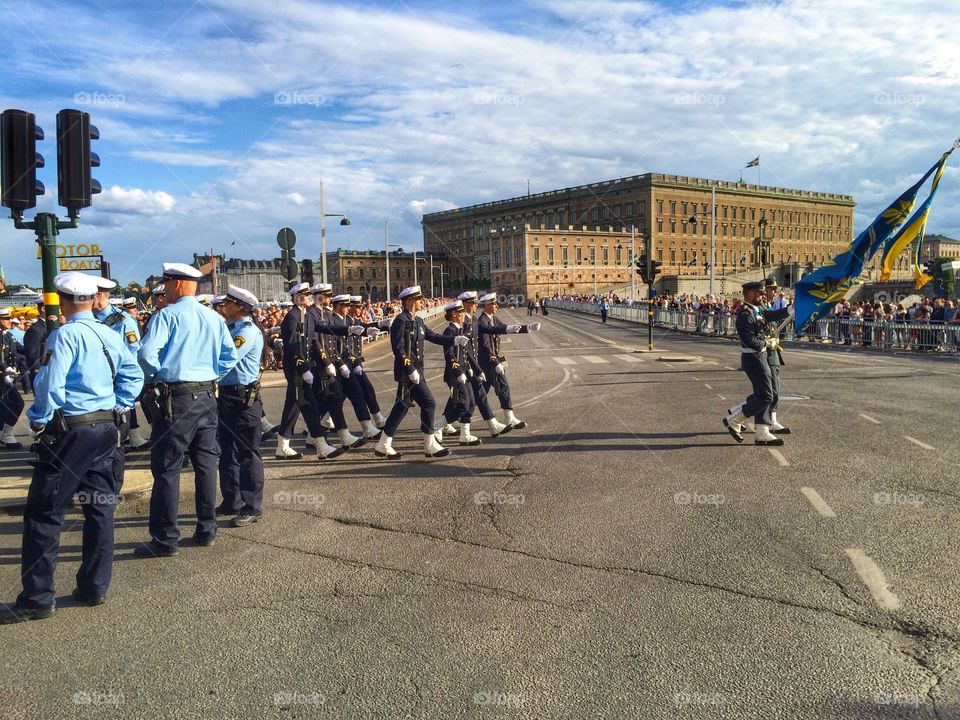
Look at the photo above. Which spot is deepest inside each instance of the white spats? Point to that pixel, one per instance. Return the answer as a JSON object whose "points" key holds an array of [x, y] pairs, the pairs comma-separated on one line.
{"points": [[466, 438], [496, 427], [432, 448], [385, 449]]}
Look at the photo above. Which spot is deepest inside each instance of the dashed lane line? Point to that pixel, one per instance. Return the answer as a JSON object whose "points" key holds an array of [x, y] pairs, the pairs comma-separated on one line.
{"points": [[819, 504], [721, 396], [629, 358], [919, 444], [708, 387], [779, 457], [873, 420], [872, 576], [565, 361], [596, 359]]}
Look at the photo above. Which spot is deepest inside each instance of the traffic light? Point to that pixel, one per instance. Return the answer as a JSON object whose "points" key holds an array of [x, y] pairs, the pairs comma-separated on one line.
{"points": [[74, 160], [655, 266], [18, 155], [306, 271], [641, 267], [104, 269]]}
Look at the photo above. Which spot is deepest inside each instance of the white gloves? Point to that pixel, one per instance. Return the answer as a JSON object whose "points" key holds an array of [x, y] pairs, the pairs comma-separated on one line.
{"points": [[514, 328], [460, 340], [791, 310], [344, 372], [533, 327], [356, 330], [8, 376], [462, 379], [358, 370], [308, 377], [386, 322], [499, 368], [770, 343], [415, 377], [332, 370], [372, 332], [481, 377]]}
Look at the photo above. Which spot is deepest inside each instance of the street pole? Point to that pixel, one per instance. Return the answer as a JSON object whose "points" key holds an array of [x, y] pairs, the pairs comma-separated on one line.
{"points": [[713, 231], [633, 275], [323, 237], [386, 249], [651, 293], [415, 267], [441, 279], [594, 270], [431, 274]]}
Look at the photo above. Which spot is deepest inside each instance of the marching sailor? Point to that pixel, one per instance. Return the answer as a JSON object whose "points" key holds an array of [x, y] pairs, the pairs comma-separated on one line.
{"points": [[754, 346], [456, 374], [359, 372], [477, 380], [490, 328], [11, 402], [775, 316], [407, 336]]}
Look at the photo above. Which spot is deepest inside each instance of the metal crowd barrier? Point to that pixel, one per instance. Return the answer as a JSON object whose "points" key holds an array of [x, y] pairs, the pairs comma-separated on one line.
{"points": [[836, 330]]}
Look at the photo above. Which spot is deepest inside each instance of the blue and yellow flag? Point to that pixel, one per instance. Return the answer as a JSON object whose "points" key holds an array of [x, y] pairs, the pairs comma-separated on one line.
{"points": [[818, 292], [914, 229]]}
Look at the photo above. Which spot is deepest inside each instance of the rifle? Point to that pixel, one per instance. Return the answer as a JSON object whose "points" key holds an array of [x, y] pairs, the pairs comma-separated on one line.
{"points": [[408, 350], [301, 359]]}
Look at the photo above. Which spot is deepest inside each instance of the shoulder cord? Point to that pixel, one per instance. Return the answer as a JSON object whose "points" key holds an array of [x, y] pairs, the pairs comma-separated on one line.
{"points": [[106, 354]]}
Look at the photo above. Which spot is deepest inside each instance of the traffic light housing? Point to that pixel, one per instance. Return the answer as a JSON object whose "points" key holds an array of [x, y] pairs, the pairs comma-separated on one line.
{"points": [[641, 267], [655, 269], [75, 186], [104, 269], [306, 271], [19, 158]]}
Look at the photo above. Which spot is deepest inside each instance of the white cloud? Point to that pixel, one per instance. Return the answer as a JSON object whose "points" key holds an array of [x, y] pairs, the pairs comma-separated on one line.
{"points": [[837, 97], [134, 201]]}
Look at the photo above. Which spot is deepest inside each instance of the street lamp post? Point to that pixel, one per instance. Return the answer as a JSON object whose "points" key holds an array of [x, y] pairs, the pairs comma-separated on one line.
{"points": [[442, 273], [323, 233], [386, 248], [633, 253], [713, 230]]}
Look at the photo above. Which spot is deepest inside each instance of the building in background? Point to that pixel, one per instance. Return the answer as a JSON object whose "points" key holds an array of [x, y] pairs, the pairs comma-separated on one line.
{"points": [[579, 237], [363, 272]]}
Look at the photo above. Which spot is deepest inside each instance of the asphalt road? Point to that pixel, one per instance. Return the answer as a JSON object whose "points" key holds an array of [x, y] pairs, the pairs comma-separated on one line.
{"points": [[620, 558]]}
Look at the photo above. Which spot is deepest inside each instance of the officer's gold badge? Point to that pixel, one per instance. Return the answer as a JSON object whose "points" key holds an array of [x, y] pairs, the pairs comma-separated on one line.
{"points": [[239, 340], [131, 337]]}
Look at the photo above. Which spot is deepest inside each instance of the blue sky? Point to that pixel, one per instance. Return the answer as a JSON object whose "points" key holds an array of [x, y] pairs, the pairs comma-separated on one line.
{"points": [[219, 117]]}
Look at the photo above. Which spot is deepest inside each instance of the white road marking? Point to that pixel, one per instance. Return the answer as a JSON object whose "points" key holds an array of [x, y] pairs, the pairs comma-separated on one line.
{"points": [[872, 576], [629, 358], [595, 359], [873, 420], [696, 379], [727, 367], [565, 361], [721, 396], [921, 444], [556, 388], [708, 387], [779, 457], [538, 363], [819, 504]]}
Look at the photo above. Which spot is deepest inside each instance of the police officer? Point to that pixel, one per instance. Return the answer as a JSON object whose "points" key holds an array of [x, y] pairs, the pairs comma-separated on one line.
{"points": [[129, 330], [407, 335], [241, 465], [774, 316], [477, 380], [754, 346], [11, 402], [301, 372], [86, 380], [490, 328], [456, 374], [359, 371], [187, 349], [34, 343]]}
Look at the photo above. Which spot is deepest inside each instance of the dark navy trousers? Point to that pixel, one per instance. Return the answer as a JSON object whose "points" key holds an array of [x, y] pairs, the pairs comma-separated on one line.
{"points": [[291, 410], [758, 404], [461, 403], [500, 386], [241, 465], [421, 395], [354, 392], [369, 393], [80, 463], [480, 397], [193, 430]]}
